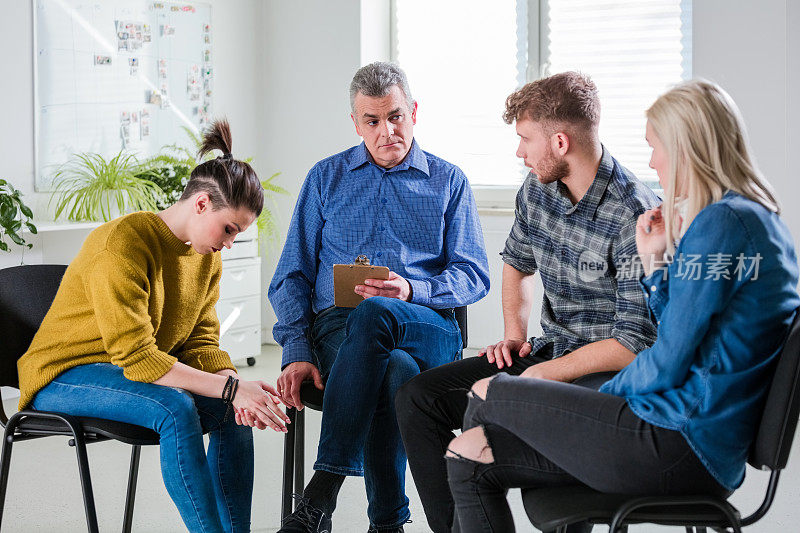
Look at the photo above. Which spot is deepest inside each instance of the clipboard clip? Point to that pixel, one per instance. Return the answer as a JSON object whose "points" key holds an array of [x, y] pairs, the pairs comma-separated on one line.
{"points": [[361, 260]]}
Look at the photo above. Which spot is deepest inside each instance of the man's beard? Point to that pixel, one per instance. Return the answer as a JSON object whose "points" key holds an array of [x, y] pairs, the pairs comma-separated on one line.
{"points": [[552, 169]]}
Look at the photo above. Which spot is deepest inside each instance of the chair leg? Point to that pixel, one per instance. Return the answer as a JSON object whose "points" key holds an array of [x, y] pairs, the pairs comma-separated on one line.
{"points": [[5, 463], [130, 496], [299, 451], [86, 479], [288, 464]]}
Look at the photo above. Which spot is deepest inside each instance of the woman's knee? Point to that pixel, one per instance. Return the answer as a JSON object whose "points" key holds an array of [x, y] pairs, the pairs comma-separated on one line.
{"points": [[471, 445], [480, 388], [178, 410]]}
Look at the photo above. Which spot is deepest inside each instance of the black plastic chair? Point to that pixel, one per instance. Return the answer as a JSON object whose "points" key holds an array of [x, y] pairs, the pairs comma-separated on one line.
{"points": [[26, 293], [294, 442], [556, 508]]}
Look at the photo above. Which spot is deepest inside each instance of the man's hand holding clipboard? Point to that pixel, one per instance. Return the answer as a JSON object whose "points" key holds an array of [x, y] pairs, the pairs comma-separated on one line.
{"points": [[353, 283]]}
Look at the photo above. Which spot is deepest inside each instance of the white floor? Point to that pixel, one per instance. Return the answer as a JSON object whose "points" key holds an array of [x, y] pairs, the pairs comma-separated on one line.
{"points": [[44, 489]]}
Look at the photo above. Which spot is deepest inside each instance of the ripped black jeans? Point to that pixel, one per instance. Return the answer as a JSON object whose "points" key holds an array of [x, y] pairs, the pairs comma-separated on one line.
{"points": [[545, 434]]}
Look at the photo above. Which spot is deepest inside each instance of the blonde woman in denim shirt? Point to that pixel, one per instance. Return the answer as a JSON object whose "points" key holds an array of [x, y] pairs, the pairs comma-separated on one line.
{"points": [[720, 274]]}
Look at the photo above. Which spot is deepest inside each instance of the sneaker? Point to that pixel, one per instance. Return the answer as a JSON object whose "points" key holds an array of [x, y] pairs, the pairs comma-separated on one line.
{"points": [[306, 519]]}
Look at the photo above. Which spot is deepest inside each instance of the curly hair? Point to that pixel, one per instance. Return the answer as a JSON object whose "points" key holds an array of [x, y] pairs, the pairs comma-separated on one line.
{"points": [[567, 98]]}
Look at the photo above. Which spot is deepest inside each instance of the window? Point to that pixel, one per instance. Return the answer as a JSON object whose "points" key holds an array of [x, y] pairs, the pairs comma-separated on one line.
{"points": [[464, 57]]}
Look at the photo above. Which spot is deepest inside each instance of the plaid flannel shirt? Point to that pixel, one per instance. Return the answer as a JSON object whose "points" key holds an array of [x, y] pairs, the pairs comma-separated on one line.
{"points": [[583, 253]]}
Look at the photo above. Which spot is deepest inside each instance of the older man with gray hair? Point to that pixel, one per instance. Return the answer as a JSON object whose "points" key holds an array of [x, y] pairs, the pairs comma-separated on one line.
{"points": [[414, 213]]}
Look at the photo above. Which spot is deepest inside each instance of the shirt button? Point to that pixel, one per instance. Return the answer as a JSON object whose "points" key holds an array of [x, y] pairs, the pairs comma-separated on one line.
{"points": [[379, 254], [653, 288], [383, 200], [380, 228]]}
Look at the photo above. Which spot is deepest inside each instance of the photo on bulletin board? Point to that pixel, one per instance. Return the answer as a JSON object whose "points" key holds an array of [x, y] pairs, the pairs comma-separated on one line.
{"points": [[113, 75]]}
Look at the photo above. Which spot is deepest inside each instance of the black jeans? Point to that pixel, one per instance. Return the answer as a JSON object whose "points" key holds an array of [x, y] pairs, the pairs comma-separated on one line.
{"points": [[431, 405], [544, 433]]}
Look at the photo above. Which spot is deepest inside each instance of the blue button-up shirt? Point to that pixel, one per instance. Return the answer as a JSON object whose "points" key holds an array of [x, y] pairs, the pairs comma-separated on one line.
{"points": [[724, 307], [418, 218]]}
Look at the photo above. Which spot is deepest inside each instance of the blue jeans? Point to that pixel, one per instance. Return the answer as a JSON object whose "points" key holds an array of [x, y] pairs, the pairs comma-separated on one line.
{"points": [[213, 492], [365, 354]]}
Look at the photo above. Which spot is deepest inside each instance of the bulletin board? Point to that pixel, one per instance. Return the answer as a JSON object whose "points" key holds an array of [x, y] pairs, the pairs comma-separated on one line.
{"points": [[113, 75]]}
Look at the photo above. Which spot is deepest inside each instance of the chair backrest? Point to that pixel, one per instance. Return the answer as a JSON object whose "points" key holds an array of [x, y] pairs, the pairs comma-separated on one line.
{"points": [[26, 293], [461, 318], [779, 421]]}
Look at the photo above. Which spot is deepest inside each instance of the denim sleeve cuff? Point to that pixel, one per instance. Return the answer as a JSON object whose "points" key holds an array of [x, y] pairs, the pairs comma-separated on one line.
{"points": [[421, 291], [296, 352], [654, 287]]}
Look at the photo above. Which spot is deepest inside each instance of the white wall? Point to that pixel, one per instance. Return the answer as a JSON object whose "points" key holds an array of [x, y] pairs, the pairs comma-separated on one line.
{"points": [[309, 57], [752, 50]]}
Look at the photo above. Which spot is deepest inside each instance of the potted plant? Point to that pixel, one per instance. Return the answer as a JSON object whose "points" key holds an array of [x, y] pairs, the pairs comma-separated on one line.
{"points": [[91, 187], [267, 227], [14, 214]]}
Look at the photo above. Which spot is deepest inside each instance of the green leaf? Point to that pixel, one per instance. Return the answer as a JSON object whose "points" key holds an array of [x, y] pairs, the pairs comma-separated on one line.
{"points": [[26, 210], [32, 228], [16, 238], [3, 246], [7, 214]]}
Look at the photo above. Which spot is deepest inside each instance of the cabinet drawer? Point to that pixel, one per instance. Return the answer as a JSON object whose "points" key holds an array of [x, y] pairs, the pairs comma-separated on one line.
{"points": [[235, 313], [241, 277], [242, 342], [240, 249]]}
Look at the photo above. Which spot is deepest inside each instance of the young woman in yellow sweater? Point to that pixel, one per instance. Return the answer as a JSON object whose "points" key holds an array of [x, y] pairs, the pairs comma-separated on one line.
{"points": [[133, 336]]}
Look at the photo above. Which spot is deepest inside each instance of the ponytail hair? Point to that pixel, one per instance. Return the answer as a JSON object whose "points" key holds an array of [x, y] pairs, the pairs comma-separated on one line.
{"points": [[227, 181]]}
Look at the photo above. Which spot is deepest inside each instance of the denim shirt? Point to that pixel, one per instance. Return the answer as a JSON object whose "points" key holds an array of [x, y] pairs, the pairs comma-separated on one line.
{"points": [[723, 307], [418, 218]]}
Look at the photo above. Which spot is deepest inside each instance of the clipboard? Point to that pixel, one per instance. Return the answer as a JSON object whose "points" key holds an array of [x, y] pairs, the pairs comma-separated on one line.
{"points": [[346, 277]]}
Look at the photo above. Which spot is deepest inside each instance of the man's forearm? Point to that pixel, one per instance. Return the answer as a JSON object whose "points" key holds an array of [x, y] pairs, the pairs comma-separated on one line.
{"points": [[517, 301], [607, 355]]}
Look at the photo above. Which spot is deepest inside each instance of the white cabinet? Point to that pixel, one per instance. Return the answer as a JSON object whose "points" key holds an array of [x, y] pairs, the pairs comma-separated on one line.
{"points": [[239, 305]]}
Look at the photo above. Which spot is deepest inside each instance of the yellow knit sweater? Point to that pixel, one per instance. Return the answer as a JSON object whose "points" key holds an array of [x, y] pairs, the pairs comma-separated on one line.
{"points": [[135, 296]]}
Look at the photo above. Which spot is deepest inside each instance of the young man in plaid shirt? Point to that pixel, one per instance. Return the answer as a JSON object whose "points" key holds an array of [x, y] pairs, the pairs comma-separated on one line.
{"points": [[575, 224]]}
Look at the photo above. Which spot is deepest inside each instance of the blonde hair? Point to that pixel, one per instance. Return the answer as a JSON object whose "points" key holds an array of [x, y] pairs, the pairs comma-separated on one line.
{"points": [[705, 138]]}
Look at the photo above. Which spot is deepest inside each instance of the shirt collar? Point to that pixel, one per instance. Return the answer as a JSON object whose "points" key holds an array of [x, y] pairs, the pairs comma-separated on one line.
{"points": [[414, 158], [591, 200]]}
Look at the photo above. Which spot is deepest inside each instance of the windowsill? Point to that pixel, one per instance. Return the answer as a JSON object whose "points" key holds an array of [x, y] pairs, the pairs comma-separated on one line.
{"points": [[495, 199], [501, 199]]}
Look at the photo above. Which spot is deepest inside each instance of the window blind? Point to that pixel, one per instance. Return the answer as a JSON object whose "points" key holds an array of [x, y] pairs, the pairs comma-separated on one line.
{"points": [[464, 57]]}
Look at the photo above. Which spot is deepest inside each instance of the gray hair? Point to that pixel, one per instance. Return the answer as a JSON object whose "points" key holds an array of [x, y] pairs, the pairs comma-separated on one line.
{"points": [[376, 80]]}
